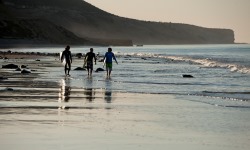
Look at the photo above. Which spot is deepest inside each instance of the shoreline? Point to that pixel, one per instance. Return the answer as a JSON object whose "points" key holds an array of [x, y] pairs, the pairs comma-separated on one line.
{"points": [[27, 55]]}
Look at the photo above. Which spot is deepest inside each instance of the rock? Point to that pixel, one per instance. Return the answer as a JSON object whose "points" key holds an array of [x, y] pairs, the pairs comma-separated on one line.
{"points": [[10, 66], [23, 66], [25, 71], [79, 68], [187, 76], [3, 78], [79, 55], [9, 89], [99, 69], [101, 60], [18, 69]]}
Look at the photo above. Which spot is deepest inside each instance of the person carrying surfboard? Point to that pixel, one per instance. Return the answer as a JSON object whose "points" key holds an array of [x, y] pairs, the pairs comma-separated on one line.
{"points": [[89, 57], [109, 56], [67, 57]]}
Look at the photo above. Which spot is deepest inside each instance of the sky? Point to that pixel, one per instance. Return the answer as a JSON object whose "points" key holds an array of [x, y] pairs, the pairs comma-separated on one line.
{"points": [[229, 14]]}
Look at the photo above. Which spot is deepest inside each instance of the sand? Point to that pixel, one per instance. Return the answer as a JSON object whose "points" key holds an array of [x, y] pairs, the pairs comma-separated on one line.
{"points": [[42, 115]]}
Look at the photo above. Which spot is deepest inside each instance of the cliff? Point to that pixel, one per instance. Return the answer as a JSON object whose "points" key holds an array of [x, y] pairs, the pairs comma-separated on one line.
{"points": [[78, 22]]}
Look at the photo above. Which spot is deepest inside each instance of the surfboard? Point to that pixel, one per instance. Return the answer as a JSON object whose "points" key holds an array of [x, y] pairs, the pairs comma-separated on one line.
{"points": [[64, 60], [104, 62], [85, 62]]}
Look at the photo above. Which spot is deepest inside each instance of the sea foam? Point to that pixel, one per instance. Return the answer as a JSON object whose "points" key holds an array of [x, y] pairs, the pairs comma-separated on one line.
{"points": [[207, 62]]}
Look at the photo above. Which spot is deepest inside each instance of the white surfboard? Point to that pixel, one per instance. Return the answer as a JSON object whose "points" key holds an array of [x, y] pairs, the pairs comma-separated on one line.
{"points": [[64, 60], [104, 62], [85, 62]]}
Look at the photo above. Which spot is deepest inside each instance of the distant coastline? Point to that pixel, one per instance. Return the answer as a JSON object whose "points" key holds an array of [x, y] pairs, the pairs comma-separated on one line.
{"points": [[89, 25], [16, 46]]}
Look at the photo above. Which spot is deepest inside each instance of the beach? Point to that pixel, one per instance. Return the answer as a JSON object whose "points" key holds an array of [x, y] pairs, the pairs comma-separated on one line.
{"points": [[44, 110]]}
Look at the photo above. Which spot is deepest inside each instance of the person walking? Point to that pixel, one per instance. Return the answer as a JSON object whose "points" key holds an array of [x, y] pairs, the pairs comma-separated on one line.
{"points": [[90, 57], [109, 56], [67, 57]]}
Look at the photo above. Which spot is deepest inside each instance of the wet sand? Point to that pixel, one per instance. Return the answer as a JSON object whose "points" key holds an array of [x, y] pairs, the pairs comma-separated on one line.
{"points": [[46, 114]]}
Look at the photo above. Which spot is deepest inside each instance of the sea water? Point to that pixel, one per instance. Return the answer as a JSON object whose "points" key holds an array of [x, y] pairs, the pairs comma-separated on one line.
{"points": [[221, 73]]}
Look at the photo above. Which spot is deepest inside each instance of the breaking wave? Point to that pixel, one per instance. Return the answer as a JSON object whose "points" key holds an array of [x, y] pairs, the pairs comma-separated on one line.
{"points": [[207, 62], [214, 64]]}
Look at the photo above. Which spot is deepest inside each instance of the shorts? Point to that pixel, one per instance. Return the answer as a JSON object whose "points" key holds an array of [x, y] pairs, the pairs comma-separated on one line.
{"points": [[90, 65], [109, 66]]}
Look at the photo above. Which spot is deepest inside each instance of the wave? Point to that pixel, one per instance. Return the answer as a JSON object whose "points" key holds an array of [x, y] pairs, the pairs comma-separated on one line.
{"points": [[207, 62], [234, 96]]}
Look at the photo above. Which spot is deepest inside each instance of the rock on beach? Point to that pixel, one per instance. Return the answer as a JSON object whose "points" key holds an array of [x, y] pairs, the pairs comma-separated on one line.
{"points": [[187, 76], [99, 69], [10, 66], [25, 71]]}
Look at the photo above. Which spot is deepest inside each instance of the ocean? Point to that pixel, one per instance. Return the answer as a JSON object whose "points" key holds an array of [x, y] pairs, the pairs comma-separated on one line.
{"points": [[221, 73]]}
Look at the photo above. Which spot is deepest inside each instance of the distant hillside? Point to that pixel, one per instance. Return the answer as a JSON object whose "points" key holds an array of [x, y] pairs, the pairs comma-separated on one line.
{"points": [[79, 22], [38, 30]]}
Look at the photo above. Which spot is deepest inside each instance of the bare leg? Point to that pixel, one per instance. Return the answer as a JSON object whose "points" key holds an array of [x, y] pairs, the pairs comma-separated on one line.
{"points": [[109, 73], [91, 72], [65, 69], [69, 68]]}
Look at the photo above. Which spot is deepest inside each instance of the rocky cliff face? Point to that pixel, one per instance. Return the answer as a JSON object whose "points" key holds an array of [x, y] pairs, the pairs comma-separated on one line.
{"points": [[78, 22]]}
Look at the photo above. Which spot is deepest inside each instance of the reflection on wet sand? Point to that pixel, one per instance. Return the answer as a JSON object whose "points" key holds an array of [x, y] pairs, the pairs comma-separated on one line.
{"points": [[90, 94], [64, 94], [108, 96], [108, 91], [72, 98]]}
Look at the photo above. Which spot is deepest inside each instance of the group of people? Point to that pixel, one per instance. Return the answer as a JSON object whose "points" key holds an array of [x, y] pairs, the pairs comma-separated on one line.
{"points": [[90, 57]]}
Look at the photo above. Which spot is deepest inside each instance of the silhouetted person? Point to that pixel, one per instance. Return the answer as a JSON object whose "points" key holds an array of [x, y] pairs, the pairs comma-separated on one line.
{"points": [[109, 56], [68, 59], [90, 56]]}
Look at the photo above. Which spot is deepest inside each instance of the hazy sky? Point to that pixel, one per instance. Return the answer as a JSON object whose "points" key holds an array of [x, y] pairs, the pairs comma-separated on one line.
{"points": [[230, 14]]}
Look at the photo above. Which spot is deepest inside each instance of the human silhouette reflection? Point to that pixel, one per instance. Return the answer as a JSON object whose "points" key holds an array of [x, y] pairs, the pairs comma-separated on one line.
{"points": [[64, 93], [89, 91], [108, 91], [108, 96], [90, 94]]}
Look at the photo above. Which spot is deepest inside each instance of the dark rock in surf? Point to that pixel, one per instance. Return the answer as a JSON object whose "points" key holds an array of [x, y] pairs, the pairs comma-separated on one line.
{"points": [[187, 76], [8, 89], [79, 69], [79, 55], [25, 71], [23, 66], [10, 66], [3, 78], [99, 69], [18, 69]]}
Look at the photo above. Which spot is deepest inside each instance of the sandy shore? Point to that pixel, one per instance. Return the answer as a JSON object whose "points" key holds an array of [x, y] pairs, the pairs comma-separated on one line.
{"points": [[46, 114]]}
